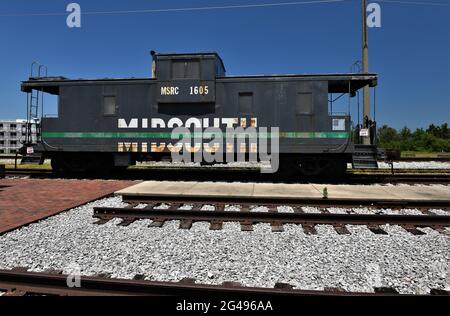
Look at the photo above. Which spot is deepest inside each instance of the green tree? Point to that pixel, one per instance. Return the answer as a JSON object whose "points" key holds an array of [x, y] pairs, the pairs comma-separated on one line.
{"points": [[435, 138]]}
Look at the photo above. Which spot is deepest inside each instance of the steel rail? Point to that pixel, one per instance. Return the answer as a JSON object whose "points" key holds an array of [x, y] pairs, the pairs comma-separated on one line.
{"points": [[29, 173], [359, 177], [197, 215], [400, 178], [289, 201], [19, 283]]}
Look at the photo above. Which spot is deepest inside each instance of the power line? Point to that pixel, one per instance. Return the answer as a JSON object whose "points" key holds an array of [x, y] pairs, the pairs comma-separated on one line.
{"points": [[244, 6]]}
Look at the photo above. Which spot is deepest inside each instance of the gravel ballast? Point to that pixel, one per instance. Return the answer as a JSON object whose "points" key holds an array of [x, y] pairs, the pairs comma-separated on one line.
{"points": [[381, 165], [416, 165], [355, 262]]}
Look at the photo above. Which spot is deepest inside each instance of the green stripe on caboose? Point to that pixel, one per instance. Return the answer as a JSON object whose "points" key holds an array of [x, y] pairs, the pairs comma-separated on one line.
{"points": [[160, 135]]}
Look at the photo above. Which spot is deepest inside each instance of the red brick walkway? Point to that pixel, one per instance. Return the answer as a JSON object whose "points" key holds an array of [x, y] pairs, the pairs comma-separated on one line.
{"points": [[24, 201]]}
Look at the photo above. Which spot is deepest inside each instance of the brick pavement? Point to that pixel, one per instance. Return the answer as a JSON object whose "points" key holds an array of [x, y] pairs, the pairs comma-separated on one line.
{"points": [[24, 201]]}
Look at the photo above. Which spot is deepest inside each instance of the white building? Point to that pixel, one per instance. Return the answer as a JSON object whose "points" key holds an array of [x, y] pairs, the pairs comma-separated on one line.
{"points": [[11, 135]]}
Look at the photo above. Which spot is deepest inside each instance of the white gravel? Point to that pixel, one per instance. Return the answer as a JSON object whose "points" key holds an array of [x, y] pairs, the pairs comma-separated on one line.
{"points": [[337, 210], [355, 262], [261, 209], [363, 210], [285, 209], [440, 212], [208, 208], [308, 209], [416, 165], [382, 165]]}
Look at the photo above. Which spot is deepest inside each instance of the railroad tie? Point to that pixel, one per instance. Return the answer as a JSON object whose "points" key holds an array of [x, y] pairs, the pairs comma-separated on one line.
{"points": [[341, 229], [298, 209], [309, 229], [219, 207], [231, 284], [15, 292], [284, 286], [216, 225], [386, 290], [157, 222], [174, 206], [324, 210], [439, 292], [197, 206], [127, 221], [185, 224], [150, 206], [187, 281], [246, 226], [277, 227], [376, 229], [334, 290], [413, 230], [102, 221]]}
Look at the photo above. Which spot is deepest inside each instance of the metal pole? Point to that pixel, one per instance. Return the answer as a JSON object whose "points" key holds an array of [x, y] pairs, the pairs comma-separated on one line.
{"points": [[331, 103], [365, 58]]}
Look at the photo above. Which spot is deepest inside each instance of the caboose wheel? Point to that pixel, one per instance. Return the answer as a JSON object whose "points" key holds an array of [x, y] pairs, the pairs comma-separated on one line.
{"points": [[81, 163], [336, 169], [311, 167]]}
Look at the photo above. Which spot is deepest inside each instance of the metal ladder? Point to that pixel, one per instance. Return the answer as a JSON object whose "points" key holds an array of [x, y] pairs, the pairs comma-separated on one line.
{"points": [[35, 99]]}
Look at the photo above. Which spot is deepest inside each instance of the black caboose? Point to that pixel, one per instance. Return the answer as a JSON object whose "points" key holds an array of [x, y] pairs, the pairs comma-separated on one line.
{"points": [[107, 123]]}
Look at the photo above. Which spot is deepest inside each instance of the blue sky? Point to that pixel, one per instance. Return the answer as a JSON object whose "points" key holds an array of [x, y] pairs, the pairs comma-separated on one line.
{"points": [[410, 52]]}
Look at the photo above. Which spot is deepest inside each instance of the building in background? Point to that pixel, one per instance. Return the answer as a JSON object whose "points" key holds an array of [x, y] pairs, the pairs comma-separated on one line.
{"points": [[11, 135]]}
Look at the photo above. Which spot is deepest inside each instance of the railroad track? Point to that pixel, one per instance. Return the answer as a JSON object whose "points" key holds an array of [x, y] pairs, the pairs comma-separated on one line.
{"points": [[408, 178], [231, 175], [19, 282], [29, 173], [175, 210], [423, 159]]}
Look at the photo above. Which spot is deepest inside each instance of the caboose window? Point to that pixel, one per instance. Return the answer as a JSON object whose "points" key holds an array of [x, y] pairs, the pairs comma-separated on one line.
{"points": [[183, 68], [109, 105], [304, 103], [246, 102]]}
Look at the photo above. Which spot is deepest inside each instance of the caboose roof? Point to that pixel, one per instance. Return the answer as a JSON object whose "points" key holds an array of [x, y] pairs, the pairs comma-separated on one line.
{"points": [[337, 83], [190, 55]]}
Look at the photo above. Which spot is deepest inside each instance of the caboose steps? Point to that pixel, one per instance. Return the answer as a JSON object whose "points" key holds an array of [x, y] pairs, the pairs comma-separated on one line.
{"points": [[32, 159], [365, 157]]}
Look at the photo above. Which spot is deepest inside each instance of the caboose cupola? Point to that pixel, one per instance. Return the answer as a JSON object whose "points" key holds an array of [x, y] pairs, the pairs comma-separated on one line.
{"points": [[187, 78]]}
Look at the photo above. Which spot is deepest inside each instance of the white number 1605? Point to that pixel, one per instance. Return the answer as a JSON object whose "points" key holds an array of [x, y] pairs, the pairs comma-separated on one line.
{"points": [[203, 90]]}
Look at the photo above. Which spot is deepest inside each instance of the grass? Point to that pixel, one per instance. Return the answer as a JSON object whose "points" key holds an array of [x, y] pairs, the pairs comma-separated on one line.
{"points": [[418, 154], [29, 167]]}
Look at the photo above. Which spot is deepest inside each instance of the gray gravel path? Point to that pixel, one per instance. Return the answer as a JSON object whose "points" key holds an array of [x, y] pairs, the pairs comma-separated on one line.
{"points": [[356, 262]]}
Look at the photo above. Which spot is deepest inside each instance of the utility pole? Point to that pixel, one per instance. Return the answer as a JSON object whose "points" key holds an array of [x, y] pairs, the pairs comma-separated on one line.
{"points": [[365, 59]]}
